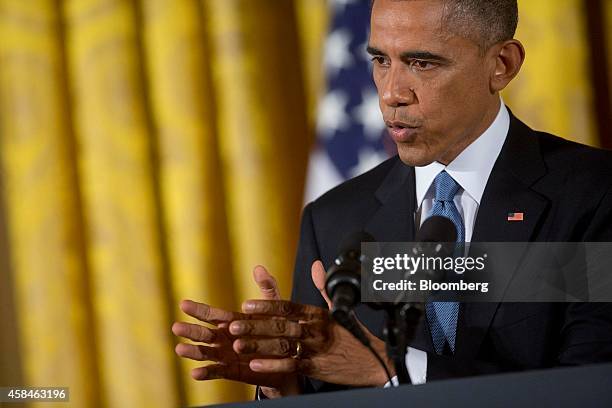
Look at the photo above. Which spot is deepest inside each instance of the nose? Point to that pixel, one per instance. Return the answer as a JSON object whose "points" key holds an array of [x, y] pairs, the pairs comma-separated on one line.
{"points": [[397, 90]]}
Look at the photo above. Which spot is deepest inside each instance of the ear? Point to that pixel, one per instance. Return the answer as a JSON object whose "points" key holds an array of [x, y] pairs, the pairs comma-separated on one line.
{"points": [[509, 57]]}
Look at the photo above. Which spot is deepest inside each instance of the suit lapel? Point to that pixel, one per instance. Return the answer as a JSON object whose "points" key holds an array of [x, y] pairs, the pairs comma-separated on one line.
{"points": [[393, 221], [509, 189]]}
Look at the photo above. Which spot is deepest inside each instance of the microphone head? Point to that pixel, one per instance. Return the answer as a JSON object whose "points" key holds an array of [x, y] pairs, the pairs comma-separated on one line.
{"points": [[437, 229], [352, 242], [343, 282]]}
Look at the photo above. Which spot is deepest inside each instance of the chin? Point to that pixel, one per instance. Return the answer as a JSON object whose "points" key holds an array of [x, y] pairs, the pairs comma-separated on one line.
{"points": [[414, 156]]}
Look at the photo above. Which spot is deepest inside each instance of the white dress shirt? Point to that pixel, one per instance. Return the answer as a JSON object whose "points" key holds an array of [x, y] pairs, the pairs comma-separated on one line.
{"points": [[471, 170]]}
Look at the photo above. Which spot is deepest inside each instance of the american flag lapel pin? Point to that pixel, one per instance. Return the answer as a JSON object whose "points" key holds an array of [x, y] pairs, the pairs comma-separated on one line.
{"points": [[516, 216]]}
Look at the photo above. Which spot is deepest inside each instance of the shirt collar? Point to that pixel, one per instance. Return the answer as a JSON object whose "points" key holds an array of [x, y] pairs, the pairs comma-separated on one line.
{"points": [[472, 167]]}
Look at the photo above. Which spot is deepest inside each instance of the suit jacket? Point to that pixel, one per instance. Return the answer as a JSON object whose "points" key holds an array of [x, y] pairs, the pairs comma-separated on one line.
{"points": [[565, 191]]}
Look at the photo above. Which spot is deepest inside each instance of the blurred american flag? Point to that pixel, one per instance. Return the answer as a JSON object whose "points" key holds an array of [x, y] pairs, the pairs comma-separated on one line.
{"points": [[350, 130]]}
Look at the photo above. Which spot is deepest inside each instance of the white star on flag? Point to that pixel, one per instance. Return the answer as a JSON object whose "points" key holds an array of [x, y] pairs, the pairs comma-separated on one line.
{"points": [[337, 53], [332, 115], [368, 114]]}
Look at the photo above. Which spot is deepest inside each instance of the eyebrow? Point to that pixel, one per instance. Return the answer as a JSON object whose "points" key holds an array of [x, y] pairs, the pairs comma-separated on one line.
{"points": [[374, 51], [420, 55]]}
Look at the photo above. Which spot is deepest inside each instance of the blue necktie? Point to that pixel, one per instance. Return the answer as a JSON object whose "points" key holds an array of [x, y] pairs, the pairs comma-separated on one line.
{"points": [[442, 316]]}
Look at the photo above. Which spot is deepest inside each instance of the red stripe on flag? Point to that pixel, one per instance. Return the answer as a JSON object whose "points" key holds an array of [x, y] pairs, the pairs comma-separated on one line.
{"points": [[517, 216]]}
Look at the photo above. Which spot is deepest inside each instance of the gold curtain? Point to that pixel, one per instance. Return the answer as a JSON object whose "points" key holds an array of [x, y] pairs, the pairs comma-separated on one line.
{"points": [[150, 151], [154, 150], [553, 91], [42, 205]]}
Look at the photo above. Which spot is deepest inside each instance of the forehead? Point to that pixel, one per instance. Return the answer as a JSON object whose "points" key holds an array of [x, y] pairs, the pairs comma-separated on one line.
{"points": [[408, 23]]}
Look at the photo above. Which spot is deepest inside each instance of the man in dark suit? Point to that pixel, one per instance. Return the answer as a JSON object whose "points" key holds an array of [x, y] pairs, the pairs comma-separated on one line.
{"points": [[438, 68]]}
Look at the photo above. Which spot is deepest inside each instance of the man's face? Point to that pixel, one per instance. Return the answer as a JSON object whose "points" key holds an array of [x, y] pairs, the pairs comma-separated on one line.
{"points": [[433, 85]]}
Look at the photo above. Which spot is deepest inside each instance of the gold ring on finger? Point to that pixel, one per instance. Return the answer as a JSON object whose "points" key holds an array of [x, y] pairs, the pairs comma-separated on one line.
{"points": [[298, 350]]}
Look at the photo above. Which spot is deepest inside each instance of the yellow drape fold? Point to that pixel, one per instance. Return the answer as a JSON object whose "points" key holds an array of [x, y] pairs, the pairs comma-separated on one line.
{"points": [[553, 91], [262, 132], [41, 203], [312, 22], [190, 171], [129, 290]]}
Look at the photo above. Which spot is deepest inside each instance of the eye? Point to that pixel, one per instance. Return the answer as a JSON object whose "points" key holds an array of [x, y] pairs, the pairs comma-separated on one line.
{"points": [[422, 65], [379, 60]]}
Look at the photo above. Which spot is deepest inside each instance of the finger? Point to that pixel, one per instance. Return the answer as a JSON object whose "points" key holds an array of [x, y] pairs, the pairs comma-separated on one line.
{"points": [[269, 327], [195, 332], [318, 278], [208, 313], [237, 372], [266, 283], [283, 308], [199, 352], [211, 372], [266, 347], [284, 365]]}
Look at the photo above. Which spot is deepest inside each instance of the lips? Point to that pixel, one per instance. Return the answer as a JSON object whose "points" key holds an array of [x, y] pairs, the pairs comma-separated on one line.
{"points": [[402, 135], [402, 132]]}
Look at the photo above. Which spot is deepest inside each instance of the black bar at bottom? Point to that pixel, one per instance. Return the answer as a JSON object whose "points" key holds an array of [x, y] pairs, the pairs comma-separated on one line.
{"points": [[585, 386]]}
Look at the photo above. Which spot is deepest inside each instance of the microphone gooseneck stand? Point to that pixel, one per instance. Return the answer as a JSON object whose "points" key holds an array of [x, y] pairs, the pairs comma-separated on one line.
{"points": [[403, 317], [400, 327], [343, 285]]}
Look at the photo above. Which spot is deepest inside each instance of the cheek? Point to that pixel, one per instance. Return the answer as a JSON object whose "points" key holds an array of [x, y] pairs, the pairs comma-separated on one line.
{"points": [[445, 102], [437, 103]]}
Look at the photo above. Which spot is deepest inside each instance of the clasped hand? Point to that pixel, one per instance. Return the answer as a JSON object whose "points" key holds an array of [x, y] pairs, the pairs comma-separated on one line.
{"points": [[259, 345]]}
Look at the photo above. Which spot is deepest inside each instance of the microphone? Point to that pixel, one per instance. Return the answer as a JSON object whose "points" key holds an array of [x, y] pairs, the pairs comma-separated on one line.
{"points": [[343, 286], [403, 317], [343, 283], [430, 240], [436, 229]]}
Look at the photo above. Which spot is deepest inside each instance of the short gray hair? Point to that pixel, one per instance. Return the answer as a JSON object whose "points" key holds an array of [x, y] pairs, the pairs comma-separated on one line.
{"points": [[486, 22]]}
